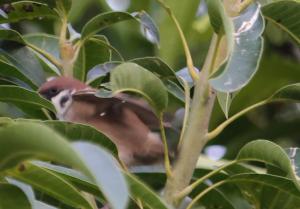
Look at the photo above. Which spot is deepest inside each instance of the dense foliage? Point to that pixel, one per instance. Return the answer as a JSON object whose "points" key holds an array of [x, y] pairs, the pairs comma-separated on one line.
{"points": [[247, 88]]}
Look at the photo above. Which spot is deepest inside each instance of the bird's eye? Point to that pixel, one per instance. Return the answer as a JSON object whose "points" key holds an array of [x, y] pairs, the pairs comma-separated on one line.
{"points": [[53, 91]]}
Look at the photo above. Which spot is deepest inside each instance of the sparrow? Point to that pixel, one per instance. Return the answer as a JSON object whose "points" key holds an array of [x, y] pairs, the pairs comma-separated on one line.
{"points": [[129, 122]]}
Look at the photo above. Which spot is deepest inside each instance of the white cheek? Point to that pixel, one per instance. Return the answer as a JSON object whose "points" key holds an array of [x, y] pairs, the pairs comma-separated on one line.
{"points": [[62, 109]]}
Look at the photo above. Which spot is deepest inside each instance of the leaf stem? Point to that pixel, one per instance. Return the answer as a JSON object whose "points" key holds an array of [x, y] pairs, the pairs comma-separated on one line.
{"points": [[189, 60], [192, 186], [166, 149], [222, 126], [199, 196]]}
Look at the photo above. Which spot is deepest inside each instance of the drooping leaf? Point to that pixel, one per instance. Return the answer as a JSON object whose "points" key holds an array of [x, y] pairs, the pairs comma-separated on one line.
{"points": [[12, 197], [148, 27], [51, 184], [269, 153], [25, 10], [134, 78], [105, 20], [105, 173], [285, 15], [245, 46], [20, 96]]}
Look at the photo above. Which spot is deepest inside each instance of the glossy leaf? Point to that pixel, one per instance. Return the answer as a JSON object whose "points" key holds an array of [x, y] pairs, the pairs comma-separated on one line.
{"points": [[20, 96], [51, 184], [73, 132], [11, 35], [285, 15], [245, 50], [12, 197], [105, 173], [225, 100], [269, 153], [26, 10], [41, 143], [134, 78]]}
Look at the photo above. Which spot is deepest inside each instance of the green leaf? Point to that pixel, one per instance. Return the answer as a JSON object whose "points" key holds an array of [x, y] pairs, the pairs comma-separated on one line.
{"points": [[134, 78], [225, 100], [105, 20], [51, 184], [60, 4], [285, 15], [11, 71], [245, 50], [25, 60], [92, 52], [46, 42], [20, 96], [269, 153], [11, 35], [73, 176], [26, 10], [147, 196], [75, 132], [105, 173], [12, 197], [278, 187], [20, 141], [289, 92]]}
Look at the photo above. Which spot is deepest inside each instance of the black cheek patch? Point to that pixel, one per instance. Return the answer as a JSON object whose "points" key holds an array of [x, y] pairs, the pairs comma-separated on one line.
{"points": [[63, 100]]}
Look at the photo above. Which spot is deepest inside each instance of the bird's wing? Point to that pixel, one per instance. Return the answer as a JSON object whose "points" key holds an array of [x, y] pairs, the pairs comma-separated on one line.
{"points": [[116, 103]]}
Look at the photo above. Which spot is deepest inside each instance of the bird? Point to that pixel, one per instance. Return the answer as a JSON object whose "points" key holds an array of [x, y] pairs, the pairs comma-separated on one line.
{"points": [[128, 121]]}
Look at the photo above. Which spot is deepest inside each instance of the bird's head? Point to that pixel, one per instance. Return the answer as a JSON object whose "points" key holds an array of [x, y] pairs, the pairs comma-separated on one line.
{"points": [[59, 91]]}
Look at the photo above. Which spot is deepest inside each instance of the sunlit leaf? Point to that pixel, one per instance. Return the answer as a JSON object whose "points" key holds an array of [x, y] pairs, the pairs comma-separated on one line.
{"points": [[105, 173], [245, 50]]}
